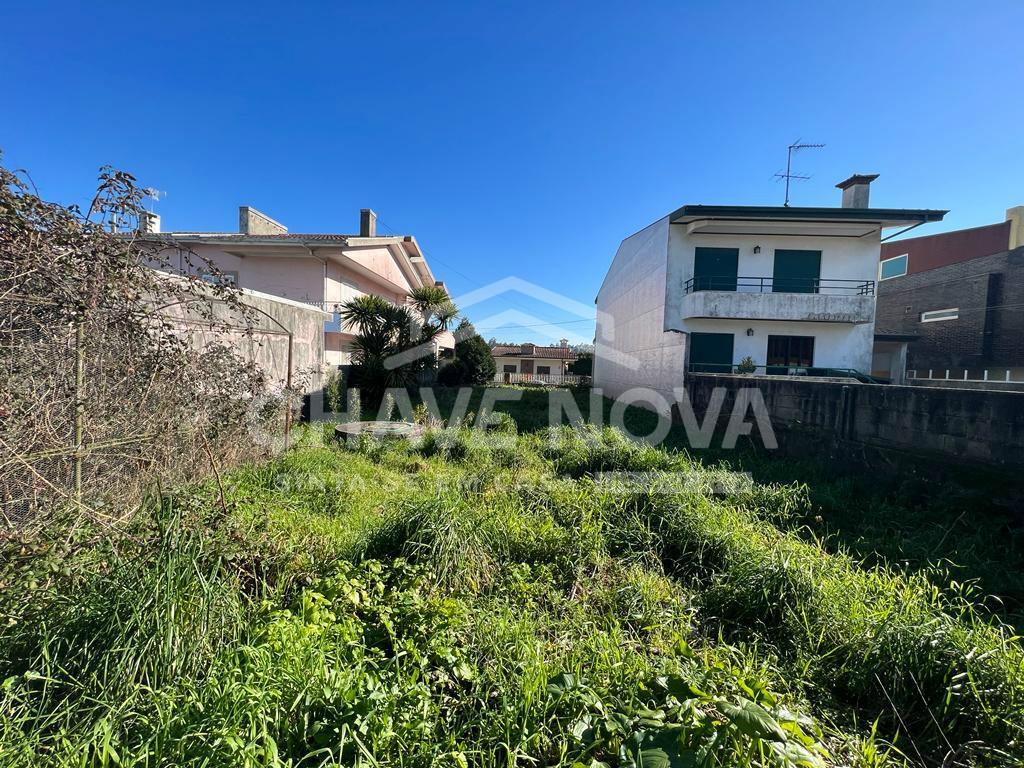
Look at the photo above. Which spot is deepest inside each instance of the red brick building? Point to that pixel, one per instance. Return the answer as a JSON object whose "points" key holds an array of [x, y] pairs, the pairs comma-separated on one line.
{"points": [[958, 300]]}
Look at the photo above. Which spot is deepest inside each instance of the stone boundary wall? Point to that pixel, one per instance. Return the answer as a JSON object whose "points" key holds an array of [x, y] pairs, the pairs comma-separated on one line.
{"points": [[306, 324], [981, 426]]}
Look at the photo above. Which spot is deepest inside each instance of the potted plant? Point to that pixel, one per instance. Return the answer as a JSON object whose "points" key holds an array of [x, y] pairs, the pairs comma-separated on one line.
{"points": [[746, 365]]}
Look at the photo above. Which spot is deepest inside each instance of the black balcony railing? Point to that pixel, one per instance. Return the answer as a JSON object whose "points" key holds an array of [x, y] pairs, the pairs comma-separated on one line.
{"points": [[785, 370], [780, 285]]}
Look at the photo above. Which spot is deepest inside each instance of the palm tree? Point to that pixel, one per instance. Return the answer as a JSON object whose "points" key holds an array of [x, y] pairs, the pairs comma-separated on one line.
{"points": [[394, 343]]}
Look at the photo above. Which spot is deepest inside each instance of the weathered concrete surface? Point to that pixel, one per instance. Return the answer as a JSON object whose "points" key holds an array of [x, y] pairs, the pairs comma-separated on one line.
{"points": [[952, 424], [991, 386], [306, 326], [284, 338], [813, 307], [253, 222]]}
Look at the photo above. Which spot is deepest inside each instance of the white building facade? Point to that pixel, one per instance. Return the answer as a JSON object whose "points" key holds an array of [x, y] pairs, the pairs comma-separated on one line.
{"points": [[721, 289], [324, 270]]}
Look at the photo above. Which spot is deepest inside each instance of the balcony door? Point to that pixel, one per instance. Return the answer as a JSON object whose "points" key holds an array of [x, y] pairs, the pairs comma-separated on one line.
{"points": [[711, 352], [788, 352], [796, 271], [714, 269]]}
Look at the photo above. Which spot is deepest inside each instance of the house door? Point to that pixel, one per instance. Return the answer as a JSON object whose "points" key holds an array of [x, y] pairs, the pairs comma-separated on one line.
{"points": [[788, 352], [796, 271], [526, 366], [711, 352], [714, 269]]}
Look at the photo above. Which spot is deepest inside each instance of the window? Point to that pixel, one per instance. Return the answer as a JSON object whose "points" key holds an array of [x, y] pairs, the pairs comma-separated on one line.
{"points": [[220, 278], [796, 271], [543, 370], [936, 315], [785, 352], [509, 368], [894, 267]]}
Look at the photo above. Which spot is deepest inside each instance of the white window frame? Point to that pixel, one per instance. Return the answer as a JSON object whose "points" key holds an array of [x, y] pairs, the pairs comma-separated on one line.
{"points": [[925, 316], [906, 263]]}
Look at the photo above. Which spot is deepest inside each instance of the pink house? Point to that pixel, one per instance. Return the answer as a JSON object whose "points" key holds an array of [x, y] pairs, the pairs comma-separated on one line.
{"points": [[324, 270]]}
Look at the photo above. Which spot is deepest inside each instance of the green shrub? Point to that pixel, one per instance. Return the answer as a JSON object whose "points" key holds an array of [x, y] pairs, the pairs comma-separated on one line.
{"points": [[484, 598]]}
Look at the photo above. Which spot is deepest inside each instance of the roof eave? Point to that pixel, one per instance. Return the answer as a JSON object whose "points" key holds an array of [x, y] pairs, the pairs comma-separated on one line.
{"points": [[881, 216], [216, 239]]}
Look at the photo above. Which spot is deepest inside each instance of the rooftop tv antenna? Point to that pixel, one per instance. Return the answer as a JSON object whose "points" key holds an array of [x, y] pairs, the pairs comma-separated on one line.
{"points": [[154, 196], [796, 146]]}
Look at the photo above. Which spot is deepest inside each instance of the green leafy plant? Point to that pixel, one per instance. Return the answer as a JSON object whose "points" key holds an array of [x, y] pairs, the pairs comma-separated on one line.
{"points": [[393, 343], [333, 392]]}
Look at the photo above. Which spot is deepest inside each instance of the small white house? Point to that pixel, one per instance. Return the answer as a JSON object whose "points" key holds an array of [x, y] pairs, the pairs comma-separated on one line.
{"points": [[532, 361], [706, 287]]}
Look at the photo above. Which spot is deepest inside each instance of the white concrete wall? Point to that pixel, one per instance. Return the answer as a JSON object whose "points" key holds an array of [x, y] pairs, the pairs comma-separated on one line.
{"points": [[297, 278], [641, 339], [836, 345], [382, 261], [842, 258], [634, 348], [556, 365], [302, 278]]}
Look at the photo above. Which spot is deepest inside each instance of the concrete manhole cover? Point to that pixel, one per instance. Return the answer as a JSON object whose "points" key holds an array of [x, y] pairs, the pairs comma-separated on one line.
{"points": [[381, 429]]}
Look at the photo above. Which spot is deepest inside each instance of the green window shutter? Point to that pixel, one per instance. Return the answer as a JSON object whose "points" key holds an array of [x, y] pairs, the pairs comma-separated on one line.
{"points": [[711, 352], [714, 269], [796, 271]]}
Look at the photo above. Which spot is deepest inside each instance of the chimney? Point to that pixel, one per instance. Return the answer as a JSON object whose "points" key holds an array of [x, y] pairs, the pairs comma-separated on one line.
{"points": [[564, 342], [149, 223], [367, 223], [252, 222], [1015, 216], [856, 190], [526, 349]]}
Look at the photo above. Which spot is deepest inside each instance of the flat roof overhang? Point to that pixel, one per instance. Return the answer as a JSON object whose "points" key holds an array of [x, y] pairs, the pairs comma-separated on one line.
{"points": [[772, 220]]}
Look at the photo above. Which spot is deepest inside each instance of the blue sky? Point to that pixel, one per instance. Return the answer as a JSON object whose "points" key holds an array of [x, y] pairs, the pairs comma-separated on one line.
{"points": [[516, 139]]}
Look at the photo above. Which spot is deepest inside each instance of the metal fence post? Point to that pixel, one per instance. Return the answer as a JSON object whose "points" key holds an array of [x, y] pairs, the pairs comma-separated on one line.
{"points": [[79, 405], [288, 385]]}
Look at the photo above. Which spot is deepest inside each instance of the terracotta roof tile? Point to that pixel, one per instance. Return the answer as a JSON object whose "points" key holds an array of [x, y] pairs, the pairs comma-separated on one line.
{"points": [[554, 353]]}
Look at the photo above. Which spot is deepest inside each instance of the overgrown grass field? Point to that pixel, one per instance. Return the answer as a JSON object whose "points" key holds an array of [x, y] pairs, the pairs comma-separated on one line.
{"points": [[495, 598]]}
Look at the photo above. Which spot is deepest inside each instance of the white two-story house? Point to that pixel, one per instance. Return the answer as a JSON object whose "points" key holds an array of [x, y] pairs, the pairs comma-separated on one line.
{"points": [[709, 288]]}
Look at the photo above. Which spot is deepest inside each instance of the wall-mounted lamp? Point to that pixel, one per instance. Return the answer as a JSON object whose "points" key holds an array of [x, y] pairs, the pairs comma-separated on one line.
{"points": [[757, 249], [750, 331]]}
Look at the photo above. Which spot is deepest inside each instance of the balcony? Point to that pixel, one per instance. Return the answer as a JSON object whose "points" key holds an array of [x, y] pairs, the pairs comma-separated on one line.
{"points": [[819, 300]]}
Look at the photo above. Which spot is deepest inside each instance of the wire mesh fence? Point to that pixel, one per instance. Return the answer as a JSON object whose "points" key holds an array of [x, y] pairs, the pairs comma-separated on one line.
{"points": [[95, 404], [113, 373]]}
